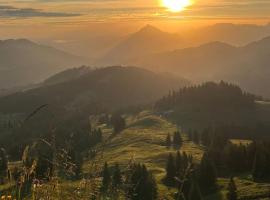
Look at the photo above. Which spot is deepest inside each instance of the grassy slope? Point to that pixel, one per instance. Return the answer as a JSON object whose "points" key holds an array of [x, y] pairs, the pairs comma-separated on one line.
{"points": [[143, 141]]}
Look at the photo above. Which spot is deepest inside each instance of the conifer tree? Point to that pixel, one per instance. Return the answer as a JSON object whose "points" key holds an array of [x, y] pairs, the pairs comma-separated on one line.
{"points": [[170, 169], [118, 123], [194, 193], [106, 178], [142, 184], [168, 140], [178, 164], [3, 165], [232, 190], [207, 174], [177, 139], [116, 177]]}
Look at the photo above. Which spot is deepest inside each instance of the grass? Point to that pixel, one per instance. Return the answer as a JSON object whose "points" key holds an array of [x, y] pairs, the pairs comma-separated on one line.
{"points": [[239, 142], [247, 190], [143, 141]]}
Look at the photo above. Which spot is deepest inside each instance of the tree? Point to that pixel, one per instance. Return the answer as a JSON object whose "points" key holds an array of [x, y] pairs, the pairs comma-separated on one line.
{"points": [[207, 174], [3, 165], [118, 122], [194, 193], [168, 140], [106, 178], [142, 184], [116, 177], [150, 185], [179, 164], [170, 169], [177, 139], [232, 190]]}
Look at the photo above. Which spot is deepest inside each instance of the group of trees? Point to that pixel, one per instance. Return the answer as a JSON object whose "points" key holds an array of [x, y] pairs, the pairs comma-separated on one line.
{"points": [[176, 166], [208, 97], [111, 180], [51, 157], [230, 158], [197, 180], [192, 180], [175, 141], [136, 183]]}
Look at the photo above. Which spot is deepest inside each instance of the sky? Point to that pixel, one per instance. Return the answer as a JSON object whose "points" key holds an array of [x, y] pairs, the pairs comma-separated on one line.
{"points": [[70, 12], [62, 20]]}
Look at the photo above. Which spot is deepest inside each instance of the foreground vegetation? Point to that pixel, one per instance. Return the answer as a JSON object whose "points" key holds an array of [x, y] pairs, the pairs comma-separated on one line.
{"points": [[141, 155]]}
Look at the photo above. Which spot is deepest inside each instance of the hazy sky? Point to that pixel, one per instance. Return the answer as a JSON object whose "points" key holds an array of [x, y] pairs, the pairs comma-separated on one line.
{"points": [[65, 12], [65, 19]]}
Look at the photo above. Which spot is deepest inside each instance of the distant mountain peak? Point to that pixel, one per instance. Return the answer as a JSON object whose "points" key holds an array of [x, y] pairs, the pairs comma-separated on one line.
{"points": [[217, 44], [21, 41], [149, 30]]}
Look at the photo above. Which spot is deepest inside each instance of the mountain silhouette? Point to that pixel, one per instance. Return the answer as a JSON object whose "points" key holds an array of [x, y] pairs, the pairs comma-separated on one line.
{"points": [[24, 62]]}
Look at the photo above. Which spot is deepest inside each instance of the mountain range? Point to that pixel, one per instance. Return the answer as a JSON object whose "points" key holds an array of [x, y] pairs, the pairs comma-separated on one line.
{"points": [[146, 41], [234, 34], [106, 88], [23, 62], [247, 65]]}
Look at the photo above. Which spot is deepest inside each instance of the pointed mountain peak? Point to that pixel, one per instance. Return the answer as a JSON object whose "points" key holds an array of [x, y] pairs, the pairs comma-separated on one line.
{"points": [[149, 29]]}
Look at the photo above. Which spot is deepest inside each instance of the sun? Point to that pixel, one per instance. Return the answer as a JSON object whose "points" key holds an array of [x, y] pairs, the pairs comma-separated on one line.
{"points": [[176, 5]]}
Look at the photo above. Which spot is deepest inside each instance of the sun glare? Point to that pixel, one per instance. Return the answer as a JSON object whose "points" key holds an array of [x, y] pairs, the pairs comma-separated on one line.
{"points": [[176, 5]]}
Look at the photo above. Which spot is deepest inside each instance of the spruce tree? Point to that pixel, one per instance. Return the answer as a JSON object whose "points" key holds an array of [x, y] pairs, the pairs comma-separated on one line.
{"points": [[106, 178], [168, 140], [150, 188], [194, 193], [116, 177], [3, 165], [118, 123], [178, 164], [177, 139], [142, 184], [256, 169], [232, 190], [207, 174], [170, 169]]}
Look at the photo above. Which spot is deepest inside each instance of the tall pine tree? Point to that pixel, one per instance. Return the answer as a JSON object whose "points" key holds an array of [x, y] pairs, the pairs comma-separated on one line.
{"points": [[232, 190], [168, 140], [170, 169], [207, 174], [3, 165], [106, 178], [177, 139], [116, 177]]}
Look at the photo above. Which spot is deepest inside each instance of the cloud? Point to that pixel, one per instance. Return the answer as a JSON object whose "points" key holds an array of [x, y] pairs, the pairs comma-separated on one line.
{"points": [[14, 12]]}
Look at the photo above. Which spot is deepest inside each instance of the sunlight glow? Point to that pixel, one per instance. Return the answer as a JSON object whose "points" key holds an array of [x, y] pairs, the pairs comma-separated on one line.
{"points": [[176, 5]]}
